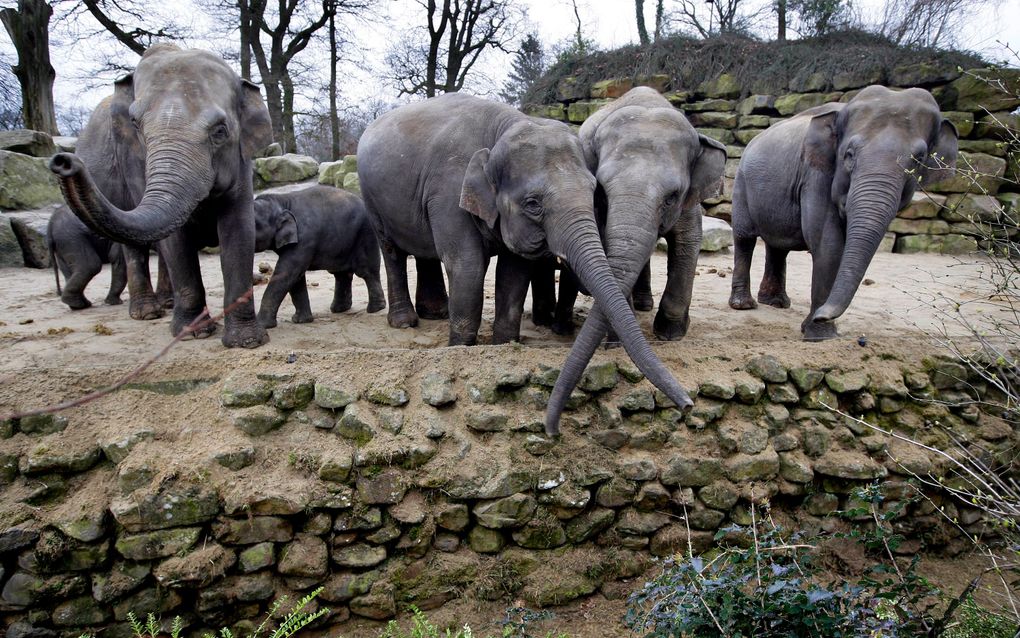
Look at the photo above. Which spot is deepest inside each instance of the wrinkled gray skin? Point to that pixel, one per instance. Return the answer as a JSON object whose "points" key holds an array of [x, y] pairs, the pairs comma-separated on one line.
{"points": [[459, 179], [831, 180], [80, 254], [316, 228], [653, 169], [168, 160]]}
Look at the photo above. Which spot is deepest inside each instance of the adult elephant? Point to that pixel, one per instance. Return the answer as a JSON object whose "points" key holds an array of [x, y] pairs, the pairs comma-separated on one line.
{"points": [[653, 170], [830, 180], [168, 160], [459, 179]]}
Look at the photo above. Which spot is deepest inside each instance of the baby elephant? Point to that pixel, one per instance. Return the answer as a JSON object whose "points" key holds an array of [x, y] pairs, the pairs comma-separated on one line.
{"points": [[317, 228], [80, 254]]}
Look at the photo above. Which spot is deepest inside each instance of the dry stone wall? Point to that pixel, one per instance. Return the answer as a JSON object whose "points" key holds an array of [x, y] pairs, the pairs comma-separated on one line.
{"points": [[422, 486], [951, 218]]}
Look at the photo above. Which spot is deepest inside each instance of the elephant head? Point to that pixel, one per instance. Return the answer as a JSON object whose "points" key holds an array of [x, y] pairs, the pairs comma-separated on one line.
{"points": [[184, 129], [275, 226], [650, 164], [533, 191], [866, 160]]}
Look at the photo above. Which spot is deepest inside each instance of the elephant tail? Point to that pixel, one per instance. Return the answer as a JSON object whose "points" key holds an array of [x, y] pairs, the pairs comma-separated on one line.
{"points": [[53, 257]]}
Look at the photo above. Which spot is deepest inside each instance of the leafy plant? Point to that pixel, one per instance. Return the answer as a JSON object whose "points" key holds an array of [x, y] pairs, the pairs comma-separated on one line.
{"points": [[292, 623], [974, 621], [152, 627]]}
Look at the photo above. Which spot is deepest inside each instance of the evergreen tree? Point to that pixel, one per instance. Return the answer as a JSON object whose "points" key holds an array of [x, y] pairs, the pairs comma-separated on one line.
{"points": [[527, 68]]}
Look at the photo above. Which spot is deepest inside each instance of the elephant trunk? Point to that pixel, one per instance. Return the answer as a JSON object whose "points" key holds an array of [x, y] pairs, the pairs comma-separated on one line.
{"points": [[174, 187], [871, 205], [582, 248]]}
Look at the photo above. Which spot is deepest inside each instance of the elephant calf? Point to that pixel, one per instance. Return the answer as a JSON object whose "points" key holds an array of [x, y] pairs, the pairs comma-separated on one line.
{"points": [[317, 228], [830, 180], [80, 254]]}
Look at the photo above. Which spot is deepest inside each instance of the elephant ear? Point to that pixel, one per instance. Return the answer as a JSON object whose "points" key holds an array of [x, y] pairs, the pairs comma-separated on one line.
{"points": [[941, 161], [256, 127], [128, 150], [478, 194], [706, 172], [818, 161], [286, 230]]}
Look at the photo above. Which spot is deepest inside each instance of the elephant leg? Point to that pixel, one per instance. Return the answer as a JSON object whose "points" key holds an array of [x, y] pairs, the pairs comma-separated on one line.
{"points": [[401, 313], [430, 298], [279, 285], [343, 298], [825, 258], [142, 302], [772, 291], [543, 292], [563, 322], [465, 261], [299, 296], [376, 297], [684, 242], [84, 266], [513, 275], [235, 227], [118, 276], [164, 289], [181, 255], [642, 295], [740, 287]]}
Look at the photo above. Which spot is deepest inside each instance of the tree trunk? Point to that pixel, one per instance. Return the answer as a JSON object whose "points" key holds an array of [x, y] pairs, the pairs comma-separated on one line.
{"points": [[781, 12], [28, 26], [642, 30], [334, 117], [660, 14], [289, 139], [245, 57]]}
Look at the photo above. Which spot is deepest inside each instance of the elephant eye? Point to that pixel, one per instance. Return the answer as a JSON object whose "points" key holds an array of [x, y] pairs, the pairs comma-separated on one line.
{"points": [[532, 207], [850, 158], [671, 200], [219, 134]]}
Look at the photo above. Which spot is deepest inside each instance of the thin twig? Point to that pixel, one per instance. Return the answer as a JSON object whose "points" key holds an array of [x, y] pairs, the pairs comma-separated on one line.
{"points": [[200, 322]]}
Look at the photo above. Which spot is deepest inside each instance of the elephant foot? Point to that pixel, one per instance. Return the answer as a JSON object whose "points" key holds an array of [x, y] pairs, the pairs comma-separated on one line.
{"points": [[643, 302], [76, 302], [266, 321], [818, 330], [146, 308], [165, 301], [775, 299], [433, 311], [563, 328], [542, 318], [343, 306], [375, 305], [113, 300], [300, 317], [742, 301], [402, 316], [666, 329], [244, 335]]}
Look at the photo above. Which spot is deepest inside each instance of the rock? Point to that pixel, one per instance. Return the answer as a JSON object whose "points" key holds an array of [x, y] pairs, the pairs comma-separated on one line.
{"points": [[748, 467], [340, 588], [485, 541], [923, 206], [707, 410], [236, 459], [816, 440], [43, 459], [858, 78], [979, 89], [148, 601], [927, 73], [285, 168], [10, 249], [28, 142], [600, 377], [358, 556], [1003, 126], [616, 492], [821, 504], [979, 172], [702, 518], [783, 393], [851, 381], [512, 511], [332, 173], [393, 395], [352, 183], [26, 183], [554, 586], [333, 396], [487, 420], [258, 420], [242, 393], [717, 389], [638, 400], [847, 464], [157, 544], [542, 531], [721, 135], [335, 466], [453, 516], [173, 505], [386, 488], [652, 496], [119, 581], [720, 495], [794, 467], [613, 88], [273, 500], [767, 368], [743, 436], [79, 612], [29, 228], [273, 150], [821, 398], [359, 519], [724, 86], [757, 104], [251, 530], [39, 424], [256, 557], [199, 568], [117, 450], [378, 604], [691, 471], [538, 445], [614, 439], [806, 379], [293, 396], [437, 389], [306, 556], [713, 119], [797, 102], [749, 391], [637, 523]]}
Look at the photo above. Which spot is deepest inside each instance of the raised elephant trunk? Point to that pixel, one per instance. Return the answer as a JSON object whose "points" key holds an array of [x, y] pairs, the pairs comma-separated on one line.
{"points": [[611, 308], [173, 188], [871, 205]]}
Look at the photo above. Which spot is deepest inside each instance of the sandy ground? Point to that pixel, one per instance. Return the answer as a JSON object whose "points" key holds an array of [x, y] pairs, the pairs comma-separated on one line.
{"points": [[37, 330]]}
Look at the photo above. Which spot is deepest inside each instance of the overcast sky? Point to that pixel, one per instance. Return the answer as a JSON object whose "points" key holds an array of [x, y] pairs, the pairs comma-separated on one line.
{"points": [[610, 23]]}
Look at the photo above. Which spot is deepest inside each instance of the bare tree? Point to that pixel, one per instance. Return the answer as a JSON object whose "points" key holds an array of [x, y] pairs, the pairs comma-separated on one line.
{"points": [[927, 23], [438, 57], [639, 7], [28, 26], [10, 96], [724, 16], [114, 14]]}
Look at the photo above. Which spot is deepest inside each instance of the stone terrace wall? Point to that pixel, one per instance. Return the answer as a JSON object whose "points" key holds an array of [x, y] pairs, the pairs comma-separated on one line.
{"points": [[423, 486], [942, 220]]}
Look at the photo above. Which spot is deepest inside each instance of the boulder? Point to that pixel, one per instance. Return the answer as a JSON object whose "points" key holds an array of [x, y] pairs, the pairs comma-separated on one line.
{"points": [[273, 150], [27, 142], [979, 89], [352, 183], [10, 249], [30, 229], [986, 170], [715, 235], [927, 73], [26, 182], [724, 86], [797, 102], [285, 168], [923, 206], [66, 143]]}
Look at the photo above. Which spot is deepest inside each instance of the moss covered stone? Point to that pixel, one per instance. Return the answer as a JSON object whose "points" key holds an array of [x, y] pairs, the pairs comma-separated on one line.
{"points": [[512, 511], [483, 540], [258, 420], [157, 544], [600, 377]]}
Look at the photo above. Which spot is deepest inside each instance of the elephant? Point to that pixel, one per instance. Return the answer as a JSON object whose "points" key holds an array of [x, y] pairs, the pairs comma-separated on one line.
{"points": [[316, 228], [458, 179], [174, 144], [830, 180], [547, 307], [653, 169], [80, 254]]}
